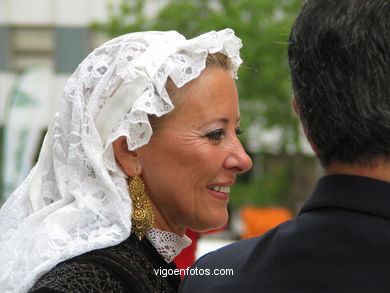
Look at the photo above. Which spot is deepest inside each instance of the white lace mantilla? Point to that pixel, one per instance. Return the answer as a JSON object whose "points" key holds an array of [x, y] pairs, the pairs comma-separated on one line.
{"points": [[168, 244], [76, 198]]}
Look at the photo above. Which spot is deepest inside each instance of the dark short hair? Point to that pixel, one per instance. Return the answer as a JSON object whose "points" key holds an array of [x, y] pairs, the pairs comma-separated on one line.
{"points": [[339, 57]]}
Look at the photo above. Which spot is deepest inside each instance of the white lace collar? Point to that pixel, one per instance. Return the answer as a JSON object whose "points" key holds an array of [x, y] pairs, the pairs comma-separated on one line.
{"points": [[168, 244]]}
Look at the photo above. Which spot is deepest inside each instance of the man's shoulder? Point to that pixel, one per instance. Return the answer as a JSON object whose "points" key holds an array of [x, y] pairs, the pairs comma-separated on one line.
{"points": [[243, 250], [229, 253], [230, 269]]}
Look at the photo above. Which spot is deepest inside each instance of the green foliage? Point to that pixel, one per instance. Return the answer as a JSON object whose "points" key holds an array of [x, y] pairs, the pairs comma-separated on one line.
{"points": [[268, 189], [263, 26]]}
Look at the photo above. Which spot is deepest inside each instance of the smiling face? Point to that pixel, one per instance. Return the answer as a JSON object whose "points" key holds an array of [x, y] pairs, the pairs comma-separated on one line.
{"points": [[194, 155]]}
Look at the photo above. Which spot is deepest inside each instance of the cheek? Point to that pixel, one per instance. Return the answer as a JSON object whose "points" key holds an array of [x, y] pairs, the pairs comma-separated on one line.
{"points": [[207, 214], [205, 155], [167, 169], [193, 157], [176, 178]]}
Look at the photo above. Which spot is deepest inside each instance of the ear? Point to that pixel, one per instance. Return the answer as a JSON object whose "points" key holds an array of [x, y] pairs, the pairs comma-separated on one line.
{"points": [[296, 110], [295, 106], [128, 160]]}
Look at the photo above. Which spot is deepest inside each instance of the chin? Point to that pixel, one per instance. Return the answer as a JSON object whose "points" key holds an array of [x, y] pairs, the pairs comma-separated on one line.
{"points": [[211, 223]]}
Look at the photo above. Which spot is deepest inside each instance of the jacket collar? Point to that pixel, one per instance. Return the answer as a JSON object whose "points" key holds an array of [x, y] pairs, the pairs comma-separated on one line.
{"points": [[351, 192]]}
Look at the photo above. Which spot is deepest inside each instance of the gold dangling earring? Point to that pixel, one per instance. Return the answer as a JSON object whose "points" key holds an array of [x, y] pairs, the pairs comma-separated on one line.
{"points": [[142, 217]]}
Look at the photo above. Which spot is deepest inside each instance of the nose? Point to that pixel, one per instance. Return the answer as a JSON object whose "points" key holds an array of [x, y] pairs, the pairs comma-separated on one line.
{"points": [[237, 159]]}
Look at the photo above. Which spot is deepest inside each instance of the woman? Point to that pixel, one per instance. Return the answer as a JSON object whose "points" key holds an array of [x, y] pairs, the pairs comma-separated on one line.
{"points": [[108, 203]]}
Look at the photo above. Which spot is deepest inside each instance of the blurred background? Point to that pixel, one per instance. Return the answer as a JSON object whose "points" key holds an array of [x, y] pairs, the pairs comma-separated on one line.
{"points": [[42, 42]]}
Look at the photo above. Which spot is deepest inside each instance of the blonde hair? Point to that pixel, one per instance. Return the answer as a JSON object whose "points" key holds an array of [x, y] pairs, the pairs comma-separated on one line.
{"points": [[216, 60], [219, 60]]}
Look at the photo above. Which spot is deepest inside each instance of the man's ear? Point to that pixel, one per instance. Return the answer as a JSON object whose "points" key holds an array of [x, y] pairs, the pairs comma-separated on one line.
{"points": [[295, 106], [128, 160], [296, 110]]}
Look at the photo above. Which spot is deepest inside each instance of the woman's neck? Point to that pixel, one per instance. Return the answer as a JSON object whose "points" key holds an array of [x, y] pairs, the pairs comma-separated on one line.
{"points": [[163, 223]]}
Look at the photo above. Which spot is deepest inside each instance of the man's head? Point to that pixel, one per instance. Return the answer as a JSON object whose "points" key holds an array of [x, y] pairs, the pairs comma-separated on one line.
{"points": [[339, 57]]}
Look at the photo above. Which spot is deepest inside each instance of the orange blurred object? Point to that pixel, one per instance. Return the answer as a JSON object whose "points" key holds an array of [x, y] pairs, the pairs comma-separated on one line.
{"points": [[258, 220]]}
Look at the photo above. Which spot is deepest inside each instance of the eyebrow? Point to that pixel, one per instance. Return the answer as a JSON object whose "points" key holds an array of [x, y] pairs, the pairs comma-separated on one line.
{"points": [[225, 121]]}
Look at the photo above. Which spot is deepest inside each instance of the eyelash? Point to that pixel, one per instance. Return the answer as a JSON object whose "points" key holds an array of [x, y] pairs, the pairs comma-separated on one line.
{"points": [[217, 134]]}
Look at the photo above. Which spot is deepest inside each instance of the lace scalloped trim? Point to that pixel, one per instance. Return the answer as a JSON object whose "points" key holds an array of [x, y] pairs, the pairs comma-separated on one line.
{"points": [[168, 244]]}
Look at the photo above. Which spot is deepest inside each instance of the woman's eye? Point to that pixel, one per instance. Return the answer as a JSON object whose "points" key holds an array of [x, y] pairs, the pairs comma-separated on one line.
{"points": [[238, 131], [215, 135]]}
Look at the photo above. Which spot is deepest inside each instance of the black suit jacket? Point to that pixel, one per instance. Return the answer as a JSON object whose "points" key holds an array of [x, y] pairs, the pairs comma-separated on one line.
{"points": [[339, 242]]}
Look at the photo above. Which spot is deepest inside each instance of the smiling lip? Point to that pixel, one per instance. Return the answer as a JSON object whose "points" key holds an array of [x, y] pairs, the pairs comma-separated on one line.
{"points": [[220, 191]]}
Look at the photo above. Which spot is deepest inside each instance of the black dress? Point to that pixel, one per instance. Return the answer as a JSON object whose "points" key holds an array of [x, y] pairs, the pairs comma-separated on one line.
{"points": [[130, 266]]}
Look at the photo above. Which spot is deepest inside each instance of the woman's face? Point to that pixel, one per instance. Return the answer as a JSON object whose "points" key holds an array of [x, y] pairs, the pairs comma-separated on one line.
{"points": [[194, 155]]}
